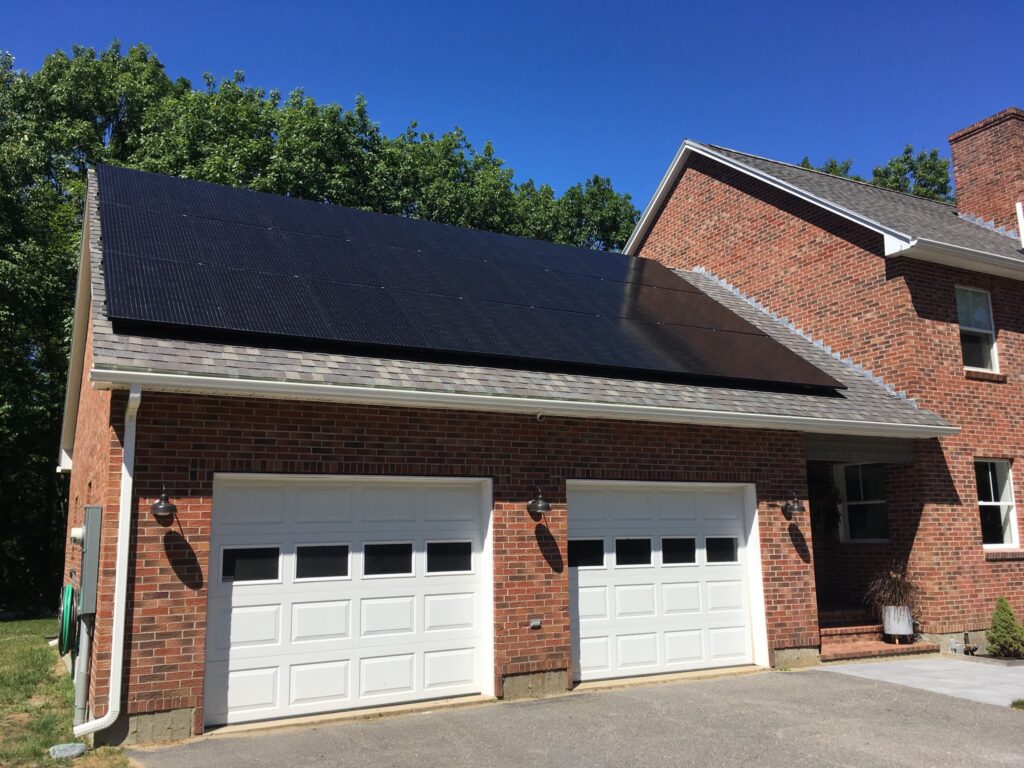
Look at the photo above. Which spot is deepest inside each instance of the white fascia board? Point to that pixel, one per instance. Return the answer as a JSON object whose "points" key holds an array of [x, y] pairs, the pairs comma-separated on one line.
{"points": [[893, 237], [966, 258], [76, 361], [105, 378]]}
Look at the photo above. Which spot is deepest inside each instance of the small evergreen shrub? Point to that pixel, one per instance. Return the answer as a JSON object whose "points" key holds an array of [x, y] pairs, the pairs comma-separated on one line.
{"points": [[1006, 637]]}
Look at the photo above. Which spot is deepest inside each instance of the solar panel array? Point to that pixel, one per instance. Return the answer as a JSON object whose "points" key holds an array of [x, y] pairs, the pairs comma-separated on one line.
{"points": [[200, 256]]}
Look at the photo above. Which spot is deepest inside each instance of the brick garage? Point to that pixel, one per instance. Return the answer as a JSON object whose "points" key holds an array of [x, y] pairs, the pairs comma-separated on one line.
{"points": [[155, 407]]}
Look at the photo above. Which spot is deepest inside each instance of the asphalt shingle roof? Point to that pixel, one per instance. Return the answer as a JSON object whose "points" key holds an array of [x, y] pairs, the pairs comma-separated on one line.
{"points": [[909, 214], [863, 400]]}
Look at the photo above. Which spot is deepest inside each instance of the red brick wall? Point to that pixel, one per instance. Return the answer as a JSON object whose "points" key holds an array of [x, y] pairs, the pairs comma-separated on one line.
{"points": [[95, 479], [988, 167], [898, 318], [183, 440]]}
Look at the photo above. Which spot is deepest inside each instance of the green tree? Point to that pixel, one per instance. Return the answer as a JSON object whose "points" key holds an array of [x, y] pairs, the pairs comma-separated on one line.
{"points": [[1006, 636], [924, 174], [84, 107]]}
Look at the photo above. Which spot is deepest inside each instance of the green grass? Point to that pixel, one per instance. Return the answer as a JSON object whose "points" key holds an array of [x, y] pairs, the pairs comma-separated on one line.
{"points": [[1018, 704], [36, 699]]}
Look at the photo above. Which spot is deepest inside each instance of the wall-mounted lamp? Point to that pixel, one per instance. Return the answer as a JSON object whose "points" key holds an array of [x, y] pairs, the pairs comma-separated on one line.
{"points": [[162, 509], [538, 505], [791, 507]]}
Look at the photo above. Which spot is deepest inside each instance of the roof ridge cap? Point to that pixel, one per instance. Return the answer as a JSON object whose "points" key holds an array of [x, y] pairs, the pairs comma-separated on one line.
{"points": [[790, 325], [830, 175]]}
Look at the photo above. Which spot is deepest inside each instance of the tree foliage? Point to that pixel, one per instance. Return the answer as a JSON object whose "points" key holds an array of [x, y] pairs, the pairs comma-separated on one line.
{"points": [[84, 107], [924, 174], [1006, 636]]}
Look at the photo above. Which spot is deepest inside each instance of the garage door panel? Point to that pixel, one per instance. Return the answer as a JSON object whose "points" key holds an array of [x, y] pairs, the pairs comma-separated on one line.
{"points": [[684, 647], [684, 607], [449, 668], [449, 612], [320, 683], [320, 621], [634, 600], [340, 638]]}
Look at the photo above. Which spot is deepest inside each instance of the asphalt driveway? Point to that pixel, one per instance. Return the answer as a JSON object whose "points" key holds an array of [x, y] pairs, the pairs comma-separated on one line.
{"points": [[788, 719]]}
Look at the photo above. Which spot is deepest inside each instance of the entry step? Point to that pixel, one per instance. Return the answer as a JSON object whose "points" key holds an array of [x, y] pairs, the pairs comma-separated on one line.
{"points": [[869, 649]]}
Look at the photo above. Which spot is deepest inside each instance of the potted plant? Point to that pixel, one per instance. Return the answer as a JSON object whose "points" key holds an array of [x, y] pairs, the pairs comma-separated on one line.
{"points": [[892, 594]]}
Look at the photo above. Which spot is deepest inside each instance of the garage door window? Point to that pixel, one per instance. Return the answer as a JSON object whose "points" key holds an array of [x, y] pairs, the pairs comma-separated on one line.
{"points": [[632, 552], [321, 561], [449, 557], [678, 551], [241, 564], [721, 549], [586, 553], [387, 559]]}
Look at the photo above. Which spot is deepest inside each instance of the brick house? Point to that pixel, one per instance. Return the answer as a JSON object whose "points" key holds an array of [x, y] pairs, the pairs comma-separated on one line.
{"points": [[356, 478], [927, 296]]}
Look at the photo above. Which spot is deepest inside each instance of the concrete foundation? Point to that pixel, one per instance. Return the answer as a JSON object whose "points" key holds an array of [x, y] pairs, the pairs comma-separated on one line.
{"points": [[795, 658], [534, 685], [147, 728], [977, 637]]}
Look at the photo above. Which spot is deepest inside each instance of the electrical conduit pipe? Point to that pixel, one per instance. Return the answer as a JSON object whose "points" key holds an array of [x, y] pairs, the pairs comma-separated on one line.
{"points": [[124, 528]]}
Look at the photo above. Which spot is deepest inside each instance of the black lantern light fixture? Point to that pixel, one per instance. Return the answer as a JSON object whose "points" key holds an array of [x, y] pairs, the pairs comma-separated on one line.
{"points": [[538, 505], [163, 509], [791, 507]]}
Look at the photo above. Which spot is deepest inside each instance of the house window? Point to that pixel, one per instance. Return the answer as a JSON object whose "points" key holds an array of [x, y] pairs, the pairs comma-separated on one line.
{"points": [[977, 331], [862, 498], [995, 503]]}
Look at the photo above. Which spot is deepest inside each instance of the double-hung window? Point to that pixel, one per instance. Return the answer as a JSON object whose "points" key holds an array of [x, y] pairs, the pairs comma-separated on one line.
{"points": [[977, 331], [995, 503], [862, 495]]}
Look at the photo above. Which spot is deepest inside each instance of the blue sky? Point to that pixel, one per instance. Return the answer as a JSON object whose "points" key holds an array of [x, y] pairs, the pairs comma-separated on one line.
{"points": [[565, 90]]}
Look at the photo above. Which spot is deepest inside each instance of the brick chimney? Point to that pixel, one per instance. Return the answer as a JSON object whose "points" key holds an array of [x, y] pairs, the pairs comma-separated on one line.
{"points": [[988, 167]]}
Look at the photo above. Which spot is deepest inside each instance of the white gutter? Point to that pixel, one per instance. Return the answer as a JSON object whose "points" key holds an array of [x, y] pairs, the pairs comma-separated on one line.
{"points": [[167, 382], [124, 530]]}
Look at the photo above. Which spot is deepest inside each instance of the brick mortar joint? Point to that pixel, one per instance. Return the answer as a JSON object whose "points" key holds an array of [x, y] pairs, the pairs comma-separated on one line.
{"points": [[819, 343]]}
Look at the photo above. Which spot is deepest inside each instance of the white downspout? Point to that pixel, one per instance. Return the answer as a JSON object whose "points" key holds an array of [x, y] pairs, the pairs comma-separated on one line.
{"points": [[124, 529]]}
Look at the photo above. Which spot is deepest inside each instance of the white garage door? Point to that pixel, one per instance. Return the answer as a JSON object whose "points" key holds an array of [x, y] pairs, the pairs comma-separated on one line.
{"points": [[329, 594], [659, 578]]}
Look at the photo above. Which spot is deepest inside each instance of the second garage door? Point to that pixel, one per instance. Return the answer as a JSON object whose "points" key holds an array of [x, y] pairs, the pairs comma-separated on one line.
{"points": [[660, 578], [335, 593]]}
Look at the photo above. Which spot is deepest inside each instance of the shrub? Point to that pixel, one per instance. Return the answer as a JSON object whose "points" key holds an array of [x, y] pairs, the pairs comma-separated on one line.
{"points": [[1006, 637]]}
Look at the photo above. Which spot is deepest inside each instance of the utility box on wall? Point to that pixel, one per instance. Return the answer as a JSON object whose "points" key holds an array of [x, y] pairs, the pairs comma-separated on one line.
{"points": [[90, 560]]}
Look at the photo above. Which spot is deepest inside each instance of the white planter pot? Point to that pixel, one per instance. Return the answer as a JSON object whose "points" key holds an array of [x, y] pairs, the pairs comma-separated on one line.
{"points": [[896, 620]]}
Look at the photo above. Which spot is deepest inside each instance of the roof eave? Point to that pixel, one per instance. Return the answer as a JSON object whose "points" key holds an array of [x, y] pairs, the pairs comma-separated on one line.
{"points": [[965, 258], [109, 378]]}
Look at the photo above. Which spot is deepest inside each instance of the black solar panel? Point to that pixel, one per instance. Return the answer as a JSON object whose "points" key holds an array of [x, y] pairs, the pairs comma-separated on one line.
{"points": [[200, 256]]}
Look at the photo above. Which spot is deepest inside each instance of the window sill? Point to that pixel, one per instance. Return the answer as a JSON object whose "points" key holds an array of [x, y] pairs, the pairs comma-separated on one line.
{"points": [[997, 555], [991, 376]]}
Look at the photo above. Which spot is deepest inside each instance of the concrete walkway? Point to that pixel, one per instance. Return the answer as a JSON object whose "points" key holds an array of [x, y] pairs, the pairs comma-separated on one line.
{"points": [[765, 720], [984, 681]]}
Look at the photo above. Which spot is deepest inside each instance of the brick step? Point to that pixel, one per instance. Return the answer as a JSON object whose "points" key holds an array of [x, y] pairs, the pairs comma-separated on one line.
{"points": [[870, 649], [851, 634]]}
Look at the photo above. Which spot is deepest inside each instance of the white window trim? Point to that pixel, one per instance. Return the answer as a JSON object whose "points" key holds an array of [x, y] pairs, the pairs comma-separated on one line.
{"points": [[1014, 542], [844, 518], [991, 333]]}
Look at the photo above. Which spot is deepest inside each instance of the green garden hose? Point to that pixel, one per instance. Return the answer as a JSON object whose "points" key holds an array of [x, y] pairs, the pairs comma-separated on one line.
{"points": [[67, 620]]}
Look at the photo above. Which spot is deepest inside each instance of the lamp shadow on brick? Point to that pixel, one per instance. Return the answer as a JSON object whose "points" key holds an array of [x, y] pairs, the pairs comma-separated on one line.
{"points": [[183, 560], [549, 548], [799, 542]]}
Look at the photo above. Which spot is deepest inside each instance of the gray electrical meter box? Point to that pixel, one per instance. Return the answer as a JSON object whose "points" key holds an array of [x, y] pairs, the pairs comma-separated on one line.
{"points": [[90, 560]]}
